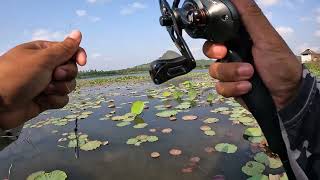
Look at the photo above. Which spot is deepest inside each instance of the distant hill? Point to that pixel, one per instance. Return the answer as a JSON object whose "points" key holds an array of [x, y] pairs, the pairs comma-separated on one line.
{"points": [[143, 68]]}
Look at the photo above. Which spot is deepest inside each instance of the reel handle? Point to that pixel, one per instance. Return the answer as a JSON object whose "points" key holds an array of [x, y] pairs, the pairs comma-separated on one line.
{"points": [[259, 100], [166, 69]]}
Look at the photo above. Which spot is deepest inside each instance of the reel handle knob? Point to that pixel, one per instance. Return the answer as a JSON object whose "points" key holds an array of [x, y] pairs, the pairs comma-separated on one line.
{"points": [[166, 69]]}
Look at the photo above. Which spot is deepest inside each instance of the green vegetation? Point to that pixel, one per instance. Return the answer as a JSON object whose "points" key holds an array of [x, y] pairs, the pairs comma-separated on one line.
{"points": [[314, 67]]}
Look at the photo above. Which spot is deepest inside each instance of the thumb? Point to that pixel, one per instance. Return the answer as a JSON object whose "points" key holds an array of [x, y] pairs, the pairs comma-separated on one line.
{"points": [[60, 53], [256, 23]]}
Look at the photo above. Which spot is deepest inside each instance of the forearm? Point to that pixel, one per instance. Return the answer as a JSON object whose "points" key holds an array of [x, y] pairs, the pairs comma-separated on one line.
{"points": [[301, 120]]}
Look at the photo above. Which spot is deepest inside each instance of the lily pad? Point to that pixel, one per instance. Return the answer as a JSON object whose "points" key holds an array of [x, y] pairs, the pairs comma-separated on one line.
{"points": [[226, 148], [132, 141], [184, 105], [211, 120], [245, 119], [137, 107], [140, 126], [166, 94], [253, 168], [210, 133], [122, 124], [190, 118], [153, 138], [91, 145], [166, 114], [54, 175], [253, 132], [257, 139], [155, 155], [205, 128]]}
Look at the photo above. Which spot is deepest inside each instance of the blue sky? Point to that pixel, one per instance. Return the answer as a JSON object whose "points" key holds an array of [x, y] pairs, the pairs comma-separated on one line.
{"points": [[123, 33]]}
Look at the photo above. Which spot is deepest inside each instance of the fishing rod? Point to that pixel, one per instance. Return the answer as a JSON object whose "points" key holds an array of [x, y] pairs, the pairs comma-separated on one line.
{"points": [[218, 21]]}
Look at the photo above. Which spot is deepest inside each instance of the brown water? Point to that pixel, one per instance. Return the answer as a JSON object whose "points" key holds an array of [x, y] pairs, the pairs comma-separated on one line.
{"points": [[121, 161]]}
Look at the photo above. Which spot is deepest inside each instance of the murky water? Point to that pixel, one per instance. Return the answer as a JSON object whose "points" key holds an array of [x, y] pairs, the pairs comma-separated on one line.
{"points": [[121, 161]]}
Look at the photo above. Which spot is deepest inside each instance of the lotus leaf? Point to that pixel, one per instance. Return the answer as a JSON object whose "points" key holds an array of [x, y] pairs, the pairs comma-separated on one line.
{"points": [[91, 145], [245, 119], [257, 139], [226, 147], [253, 132], [132, 141], [54, 175], [137, 107], [122, 124], [253, 168], [210, 133], [166, 94], [166, 114], [71, 116], [184, 105], [259, 177], [153, 138], [140, 126], [211, 120]]}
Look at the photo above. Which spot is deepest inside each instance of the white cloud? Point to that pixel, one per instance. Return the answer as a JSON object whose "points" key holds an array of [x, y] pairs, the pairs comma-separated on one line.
{"points": [[91, 1], [305, 19], [81, 12], [285, 31], [1, 53], [317, 33], [94, 19], [45, 34], [132, 8], [318, 19], [96, 55], [305, 46], [268, 2]]}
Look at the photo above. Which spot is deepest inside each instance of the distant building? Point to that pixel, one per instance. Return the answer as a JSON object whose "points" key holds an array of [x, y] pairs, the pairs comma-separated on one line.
{"points": [[309, 55]]}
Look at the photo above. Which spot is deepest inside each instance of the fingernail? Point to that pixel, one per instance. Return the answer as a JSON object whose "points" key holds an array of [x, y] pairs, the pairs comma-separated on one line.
{"points": [[244, 87], [75, 34], [245, 70]]}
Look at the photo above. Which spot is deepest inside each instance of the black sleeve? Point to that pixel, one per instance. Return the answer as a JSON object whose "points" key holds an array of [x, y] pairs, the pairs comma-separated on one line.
{"points": [[301, 123]]}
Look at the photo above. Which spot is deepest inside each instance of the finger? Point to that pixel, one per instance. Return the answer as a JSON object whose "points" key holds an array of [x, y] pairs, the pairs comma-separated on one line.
{"points": [[18, 116], [65, 72], [233, 89], [81, 57], [231, 72], [214, 51], [60, 87], [62, 52], [254, 20], [47, 102]]}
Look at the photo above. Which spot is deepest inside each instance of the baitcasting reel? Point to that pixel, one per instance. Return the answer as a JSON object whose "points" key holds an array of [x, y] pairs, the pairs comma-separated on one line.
{"points": [[218, 21]]}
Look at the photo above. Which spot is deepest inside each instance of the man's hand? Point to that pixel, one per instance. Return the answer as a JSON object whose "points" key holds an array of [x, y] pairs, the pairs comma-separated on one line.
{"points": [[274, 61], [38, 76]]}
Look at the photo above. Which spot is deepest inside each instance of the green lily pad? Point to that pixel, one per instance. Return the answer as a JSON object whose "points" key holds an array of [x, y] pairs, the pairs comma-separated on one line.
{"points": [[253, 132], [262, 158], [118, 118], [274, 163], [210, 97], [35, 174], [140, 126], [166, 114], [178, 94], [166, 94], [54, 175], [210, 133], [211, 120], [132, 141], [83, 116], [91, 145], [184, 105], [137, 107], [253, 168], [257, 139], [122, 124], [72, 136], [192, 94], [71, 116], [259, 177], [226, 148], [153, 138], [245, 119]]}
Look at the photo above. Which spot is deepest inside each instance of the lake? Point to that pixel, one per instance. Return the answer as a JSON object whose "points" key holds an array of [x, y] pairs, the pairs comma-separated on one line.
{"points": [[100, 110]]}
